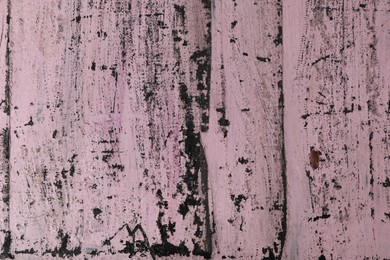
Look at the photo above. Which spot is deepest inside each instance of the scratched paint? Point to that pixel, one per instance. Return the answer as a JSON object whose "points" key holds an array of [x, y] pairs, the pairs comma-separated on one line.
{"points": [[197, 129], [337, 114]]}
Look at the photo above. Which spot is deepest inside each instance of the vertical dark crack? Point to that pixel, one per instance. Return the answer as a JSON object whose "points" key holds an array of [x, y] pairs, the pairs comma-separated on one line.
{"points": [[6, 141], [283, 232], [7, 105]]}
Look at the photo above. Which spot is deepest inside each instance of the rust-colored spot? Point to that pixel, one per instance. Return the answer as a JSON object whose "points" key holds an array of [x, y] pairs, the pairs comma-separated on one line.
{"points": [[314, 158]]}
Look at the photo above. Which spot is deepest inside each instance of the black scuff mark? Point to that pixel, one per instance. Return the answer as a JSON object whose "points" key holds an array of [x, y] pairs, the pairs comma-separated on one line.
{"points": [[386, 183], [93, 252], [278, 38], [30, 122], [30, 251], [107, 154], [268, 253], [180, 10], [114, 72], [103, 34], [305, 116], [202, 59], [184, 207], [346, 110], [320, 59], [6, 247], [96, 212], [330, 111], [77, 19], [263, 59], [62, 251], [312, 196], [243, 160], [162, 204], [58, 184], [325, 215], [165, 248], [336, 185], [196, 165], [5, 141], [118, 166], [54, 135], [93, 66], [175, 36], [237, 200], [223, 122], [132, 246], [322, 257], [199, 251], [44, 173], [207, 4], [242, 224], [198, 222], [72, 170], [63, 173], [275, 206]]}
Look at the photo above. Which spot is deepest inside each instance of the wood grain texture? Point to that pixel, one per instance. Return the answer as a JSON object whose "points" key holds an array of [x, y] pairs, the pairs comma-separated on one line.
{"points": [[109, 99], [337, 102], [174, 129], [245, 144]]}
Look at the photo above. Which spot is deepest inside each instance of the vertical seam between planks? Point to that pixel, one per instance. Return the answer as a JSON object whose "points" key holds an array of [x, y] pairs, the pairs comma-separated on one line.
{"points": [[283, 233]]}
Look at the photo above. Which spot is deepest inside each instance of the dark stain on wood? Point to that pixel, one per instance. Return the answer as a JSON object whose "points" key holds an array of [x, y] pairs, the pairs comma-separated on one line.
{"points": [[314, 158]]}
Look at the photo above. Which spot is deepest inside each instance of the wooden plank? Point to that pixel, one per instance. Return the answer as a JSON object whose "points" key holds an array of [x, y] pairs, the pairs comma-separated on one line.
{"points": [[336, 121], [5, 72], [185, 129], [245, 144], [108, 103]]}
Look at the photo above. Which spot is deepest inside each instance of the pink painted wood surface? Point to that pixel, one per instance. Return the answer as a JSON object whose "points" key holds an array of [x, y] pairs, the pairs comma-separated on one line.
{"points": [[199, 129], [336, 85], [245, 142]]}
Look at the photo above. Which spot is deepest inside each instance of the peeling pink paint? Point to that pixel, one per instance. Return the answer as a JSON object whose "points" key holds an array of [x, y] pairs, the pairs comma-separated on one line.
{"points": [[194, 129]]}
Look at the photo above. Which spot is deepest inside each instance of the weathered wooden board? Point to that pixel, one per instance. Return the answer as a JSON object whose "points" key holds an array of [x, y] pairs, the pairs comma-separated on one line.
{"points": [[179, 129], [108, 102], [5, 234], [336, 85], [245, 147]]}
